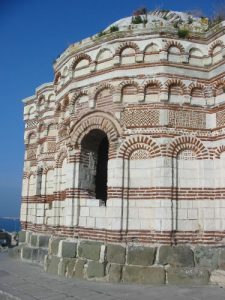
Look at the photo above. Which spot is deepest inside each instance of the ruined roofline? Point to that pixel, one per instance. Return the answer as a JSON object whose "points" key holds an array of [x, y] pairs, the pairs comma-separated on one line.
{"points": [[41, 88], [129, 30]]}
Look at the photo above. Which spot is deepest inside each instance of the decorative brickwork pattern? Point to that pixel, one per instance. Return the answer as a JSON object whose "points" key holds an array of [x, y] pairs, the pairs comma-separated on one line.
{"points": [[220, 118], [140, 117], [188, 119]]}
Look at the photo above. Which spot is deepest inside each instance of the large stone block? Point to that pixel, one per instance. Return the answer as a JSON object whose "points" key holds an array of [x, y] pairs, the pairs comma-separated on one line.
{"points": [[41, 255], [27, 253], [144, 275], [218, 277], [115, 254], [206, 257], [62, 266], [89, 249], [54, 246], [182, 276], [115, 273], [143, 256], [51, 264], [71, 267], [95, 269], [15, 252], [69, 249], [33, 240], [79, 268], [43, 241], [177, 256], [22, 236], [35, 253], [221, 261]]}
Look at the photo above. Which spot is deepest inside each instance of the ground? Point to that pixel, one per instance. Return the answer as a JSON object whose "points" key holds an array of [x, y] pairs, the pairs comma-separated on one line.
{"points": [[27, 282]]}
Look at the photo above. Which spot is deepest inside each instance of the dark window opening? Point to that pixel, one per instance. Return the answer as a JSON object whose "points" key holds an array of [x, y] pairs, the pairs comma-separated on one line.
{"points": [[94, 164], [101, 170]]}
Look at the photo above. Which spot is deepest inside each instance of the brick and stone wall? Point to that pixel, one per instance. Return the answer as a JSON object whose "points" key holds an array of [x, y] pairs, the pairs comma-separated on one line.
{"points": [[127, 144], [122, 262]]}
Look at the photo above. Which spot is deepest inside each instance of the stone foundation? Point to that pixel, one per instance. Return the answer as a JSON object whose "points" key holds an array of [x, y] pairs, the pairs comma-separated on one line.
{"points": [[128, 263]]}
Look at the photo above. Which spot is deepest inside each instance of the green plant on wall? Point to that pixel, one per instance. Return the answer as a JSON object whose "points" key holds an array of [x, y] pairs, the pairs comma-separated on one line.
{"points": [[190, 20], [137, 20], [101, 33], [113, 28], [183, 33]]}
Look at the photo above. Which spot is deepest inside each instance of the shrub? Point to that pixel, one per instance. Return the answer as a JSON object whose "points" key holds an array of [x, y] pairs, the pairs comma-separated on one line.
{"points": [[190, 20], [137, 20], [101, 33], [175, 24], [113, 28], [183, 33]]}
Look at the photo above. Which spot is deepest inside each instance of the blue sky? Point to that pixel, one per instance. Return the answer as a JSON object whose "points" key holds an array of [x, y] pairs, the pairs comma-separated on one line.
{"points": [[33, 33]]}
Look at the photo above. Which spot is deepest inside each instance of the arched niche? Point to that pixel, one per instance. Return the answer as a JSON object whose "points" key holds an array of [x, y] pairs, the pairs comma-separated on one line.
{"points": [[94, 164]]}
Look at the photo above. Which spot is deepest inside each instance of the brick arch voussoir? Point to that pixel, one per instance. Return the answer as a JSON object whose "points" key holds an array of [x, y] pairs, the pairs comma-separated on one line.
{"points": [[218, 151], [102, 87], [29, 174], [48, 168], [174, 44], [152, 83], [216, 84], [103, 49], [77, 59], [127, 45], [214, 45], [178, 82], [184, 143], [57, 76], [30, 133], [98, 120], [60, 157], [129, 82], [138, 142], [194, 85], [78, 95]]}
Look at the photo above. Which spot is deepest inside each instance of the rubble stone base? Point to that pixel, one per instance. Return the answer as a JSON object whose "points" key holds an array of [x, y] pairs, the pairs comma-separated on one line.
{"points": [[129, 263]]}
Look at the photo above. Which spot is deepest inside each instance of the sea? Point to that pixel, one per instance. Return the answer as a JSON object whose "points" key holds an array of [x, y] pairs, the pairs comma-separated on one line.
{"points": [[10, 224]]}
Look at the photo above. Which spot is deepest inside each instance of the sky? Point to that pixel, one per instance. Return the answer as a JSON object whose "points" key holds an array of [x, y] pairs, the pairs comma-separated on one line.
{"points": [[32, 34]]}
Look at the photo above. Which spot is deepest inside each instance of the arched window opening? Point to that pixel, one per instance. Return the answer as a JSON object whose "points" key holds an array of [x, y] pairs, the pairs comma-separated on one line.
{"points": [[94, 164]]}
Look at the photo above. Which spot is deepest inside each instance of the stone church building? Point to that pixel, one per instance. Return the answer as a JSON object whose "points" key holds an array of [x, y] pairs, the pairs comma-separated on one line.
{"points": [[126, 147]]}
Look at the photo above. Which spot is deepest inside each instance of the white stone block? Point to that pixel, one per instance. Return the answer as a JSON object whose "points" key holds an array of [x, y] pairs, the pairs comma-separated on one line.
{"points": [[84, 212]]}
